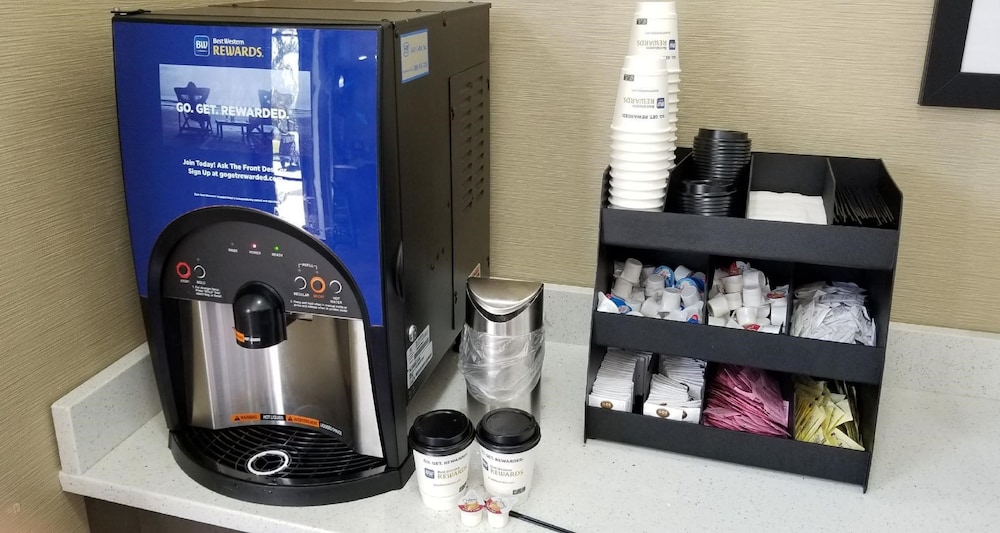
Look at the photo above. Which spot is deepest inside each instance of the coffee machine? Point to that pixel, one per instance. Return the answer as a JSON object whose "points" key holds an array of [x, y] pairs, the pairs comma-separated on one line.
{"points": [[307, 186]]}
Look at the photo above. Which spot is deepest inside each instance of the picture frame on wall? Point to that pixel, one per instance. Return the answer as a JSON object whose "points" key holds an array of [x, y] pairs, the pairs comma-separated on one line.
{"points": [[962, 67]]}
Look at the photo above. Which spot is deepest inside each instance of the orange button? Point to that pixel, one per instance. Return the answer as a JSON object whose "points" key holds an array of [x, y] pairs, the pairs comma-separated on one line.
{"points": [[317, 284]]}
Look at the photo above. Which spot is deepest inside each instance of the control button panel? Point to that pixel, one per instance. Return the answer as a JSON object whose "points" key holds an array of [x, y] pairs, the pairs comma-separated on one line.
{"points": [[210, 265]]}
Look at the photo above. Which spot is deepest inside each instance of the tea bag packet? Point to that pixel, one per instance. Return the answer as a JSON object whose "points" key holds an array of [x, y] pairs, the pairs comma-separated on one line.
{"points": [[614, 386], [676, 392]]}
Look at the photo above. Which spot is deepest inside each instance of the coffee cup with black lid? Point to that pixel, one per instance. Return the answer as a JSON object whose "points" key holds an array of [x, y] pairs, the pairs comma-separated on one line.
{"points": [[441, 449], [508, 439]]}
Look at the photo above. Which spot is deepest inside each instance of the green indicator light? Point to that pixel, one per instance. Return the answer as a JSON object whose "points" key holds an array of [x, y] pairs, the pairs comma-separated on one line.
{"points": [[277, 248]]}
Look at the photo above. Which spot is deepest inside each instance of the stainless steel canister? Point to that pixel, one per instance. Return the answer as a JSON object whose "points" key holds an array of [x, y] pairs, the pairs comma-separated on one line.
{"points": [[504, 341]]}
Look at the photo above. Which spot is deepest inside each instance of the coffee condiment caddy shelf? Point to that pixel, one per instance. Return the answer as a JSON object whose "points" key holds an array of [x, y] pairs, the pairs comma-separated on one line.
{"points": [[801, 253]]}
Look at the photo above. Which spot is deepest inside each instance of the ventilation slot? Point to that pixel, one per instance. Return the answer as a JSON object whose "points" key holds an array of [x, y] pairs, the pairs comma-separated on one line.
{"points": [[469, 139]]}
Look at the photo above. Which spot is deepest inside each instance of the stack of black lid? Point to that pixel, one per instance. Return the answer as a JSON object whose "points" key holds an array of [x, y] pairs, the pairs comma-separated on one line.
{"points": [[720, 158]]}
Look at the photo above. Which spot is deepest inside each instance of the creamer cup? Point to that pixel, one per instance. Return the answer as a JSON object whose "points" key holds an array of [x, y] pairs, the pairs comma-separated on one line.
{"points": [[471, 508], [498, 509]]}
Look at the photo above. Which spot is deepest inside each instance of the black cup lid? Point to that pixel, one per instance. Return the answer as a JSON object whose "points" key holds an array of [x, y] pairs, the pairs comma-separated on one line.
{"points": [[441, 432], [508, 430], [707, 133]]}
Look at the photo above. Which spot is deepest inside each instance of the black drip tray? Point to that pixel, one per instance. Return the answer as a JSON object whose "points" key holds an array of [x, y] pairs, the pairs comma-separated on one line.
{"points": [[277, 454]]}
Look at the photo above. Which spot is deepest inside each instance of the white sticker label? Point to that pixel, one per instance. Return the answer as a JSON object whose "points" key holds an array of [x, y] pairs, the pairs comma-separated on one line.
{"points": [[418, 355], [414, 53]]}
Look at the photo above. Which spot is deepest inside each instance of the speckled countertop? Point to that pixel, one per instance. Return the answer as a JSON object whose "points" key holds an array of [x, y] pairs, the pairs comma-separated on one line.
{"points": [[935, 466]]}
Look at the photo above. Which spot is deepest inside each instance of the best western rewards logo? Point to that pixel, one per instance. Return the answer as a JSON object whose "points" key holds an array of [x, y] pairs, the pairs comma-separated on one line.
{"points": [[205, 46], [201, 45]]}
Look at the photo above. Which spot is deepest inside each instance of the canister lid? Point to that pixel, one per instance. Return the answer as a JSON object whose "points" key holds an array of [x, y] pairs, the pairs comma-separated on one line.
{"points": [[508, 430], [441, 432], [504, 306], [503, 297]]}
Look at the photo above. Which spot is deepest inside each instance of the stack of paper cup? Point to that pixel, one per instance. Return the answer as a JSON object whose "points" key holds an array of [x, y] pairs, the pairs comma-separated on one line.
{"points": [[644, 128]]}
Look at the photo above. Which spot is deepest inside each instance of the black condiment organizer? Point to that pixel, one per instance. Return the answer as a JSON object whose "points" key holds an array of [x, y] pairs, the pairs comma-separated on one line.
{"points": [[810, 253]]}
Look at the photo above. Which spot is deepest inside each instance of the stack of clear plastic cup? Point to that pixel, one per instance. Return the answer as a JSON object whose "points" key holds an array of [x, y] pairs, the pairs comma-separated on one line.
{"points": [[644, 128]]}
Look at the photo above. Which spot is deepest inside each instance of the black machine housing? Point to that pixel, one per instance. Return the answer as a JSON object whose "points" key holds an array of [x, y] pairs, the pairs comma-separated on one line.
{"points": [[434, 227]]}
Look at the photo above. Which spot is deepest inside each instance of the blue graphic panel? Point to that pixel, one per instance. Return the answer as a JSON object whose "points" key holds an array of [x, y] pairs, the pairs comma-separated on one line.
{"points": [[282, 120]]}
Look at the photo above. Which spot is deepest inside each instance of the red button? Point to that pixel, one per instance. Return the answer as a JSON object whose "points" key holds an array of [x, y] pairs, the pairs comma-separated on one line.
{"points": [[183, 270]]}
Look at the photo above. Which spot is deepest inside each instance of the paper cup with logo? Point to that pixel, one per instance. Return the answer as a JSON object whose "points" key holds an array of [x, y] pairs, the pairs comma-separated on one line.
{"points": [[654, 32], [643, 94], [507, 443], [440, 441]]}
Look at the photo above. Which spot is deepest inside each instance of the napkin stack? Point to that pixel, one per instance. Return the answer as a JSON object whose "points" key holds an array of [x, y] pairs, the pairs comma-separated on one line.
{"points": [[786, 207]]}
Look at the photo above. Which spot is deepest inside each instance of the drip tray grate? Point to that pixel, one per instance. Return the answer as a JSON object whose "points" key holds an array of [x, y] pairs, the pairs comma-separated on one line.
{"points": [[271, 453]]}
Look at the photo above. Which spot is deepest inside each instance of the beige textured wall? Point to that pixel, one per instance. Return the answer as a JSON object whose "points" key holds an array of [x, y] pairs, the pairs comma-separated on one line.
{"points": [[832, 77], [67, 303], [824, 77]]}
